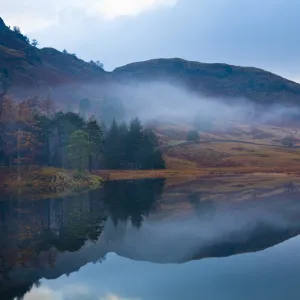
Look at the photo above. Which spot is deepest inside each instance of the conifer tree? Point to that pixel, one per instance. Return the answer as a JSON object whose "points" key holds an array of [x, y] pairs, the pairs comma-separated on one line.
{"points": [[133, 144], [112, 148], [95, 135]]}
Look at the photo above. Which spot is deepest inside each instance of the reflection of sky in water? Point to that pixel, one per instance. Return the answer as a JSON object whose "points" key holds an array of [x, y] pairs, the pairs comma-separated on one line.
{"points": [[270, 274]]}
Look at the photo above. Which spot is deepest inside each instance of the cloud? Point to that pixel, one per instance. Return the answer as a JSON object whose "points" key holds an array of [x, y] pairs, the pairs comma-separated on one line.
{"points": [[67, 292], [110, 296], [44, 293], [34, 16], [70, 292], [111, 9], [78, 290]]}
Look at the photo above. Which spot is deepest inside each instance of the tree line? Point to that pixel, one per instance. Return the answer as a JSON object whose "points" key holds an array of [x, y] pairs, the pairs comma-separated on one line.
{"points": [[33, 133]]}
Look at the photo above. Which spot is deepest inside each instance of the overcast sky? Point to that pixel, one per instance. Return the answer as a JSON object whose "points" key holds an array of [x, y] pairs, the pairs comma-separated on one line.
{"points": [[260, 33]]}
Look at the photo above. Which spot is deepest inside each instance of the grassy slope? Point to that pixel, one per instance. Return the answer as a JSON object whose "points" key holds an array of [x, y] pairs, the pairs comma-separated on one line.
{"points": [[232, 148]]}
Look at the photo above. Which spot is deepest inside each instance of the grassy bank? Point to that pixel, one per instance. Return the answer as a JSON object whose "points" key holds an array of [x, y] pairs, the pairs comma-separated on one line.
{"points": [[47, 178], [205, 172]]}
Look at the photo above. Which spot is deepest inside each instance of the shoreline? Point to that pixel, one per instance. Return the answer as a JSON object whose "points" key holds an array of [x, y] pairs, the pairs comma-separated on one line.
{"points": [[63, 180], [111, 175]]}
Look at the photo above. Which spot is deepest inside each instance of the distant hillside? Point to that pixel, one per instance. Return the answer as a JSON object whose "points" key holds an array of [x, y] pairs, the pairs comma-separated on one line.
{"points": [[33, 67], [219, 80]]}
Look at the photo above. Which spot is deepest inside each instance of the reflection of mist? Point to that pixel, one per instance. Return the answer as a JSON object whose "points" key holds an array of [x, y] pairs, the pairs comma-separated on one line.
{"points": [[215, 229]]}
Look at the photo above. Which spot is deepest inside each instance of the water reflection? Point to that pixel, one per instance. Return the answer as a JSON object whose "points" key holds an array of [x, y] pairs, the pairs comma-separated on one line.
{"points": [[32, 234], [132, 200], [203, 209], [141, 221]]}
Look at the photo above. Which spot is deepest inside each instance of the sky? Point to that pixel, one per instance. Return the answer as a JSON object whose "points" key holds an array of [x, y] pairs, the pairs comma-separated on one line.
{"points": [[263, 34]]}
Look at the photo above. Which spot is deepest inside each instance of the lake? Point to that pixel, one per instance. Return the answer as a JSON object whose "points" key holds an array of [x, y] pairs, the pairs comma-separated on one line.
{"points": [[211, 239]]}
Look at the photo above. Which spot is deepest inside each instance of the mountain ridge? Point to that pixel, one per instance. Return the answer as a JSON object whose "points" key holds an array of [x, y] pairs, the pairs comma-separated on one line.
{"points": [[32, 67]]}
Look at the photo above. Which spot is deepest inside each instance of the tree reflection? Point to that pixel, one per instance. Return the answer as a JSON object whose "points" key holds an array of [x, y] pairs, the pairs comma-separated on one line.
{"points": [[34, 233], [132, 200], [204, 209], [78, 225]]}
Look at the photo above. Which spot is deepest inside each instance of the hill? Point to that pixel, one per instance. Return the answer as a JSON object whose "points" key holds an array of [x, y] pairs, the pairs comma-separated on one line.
{"points": [[47, 67], [216, 80], [32, 67]]}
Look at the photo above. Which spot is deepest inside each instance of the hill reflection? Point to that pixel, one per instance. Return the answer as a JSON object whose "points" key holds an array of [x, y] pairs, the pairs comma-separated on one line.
{"points": [[141, 220]]}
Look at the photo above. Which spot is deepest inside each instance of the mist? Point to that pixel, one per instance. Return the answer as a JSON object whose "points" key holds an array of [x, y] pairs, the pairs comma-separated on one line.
{"points": [[164, 101], [172, 102]]}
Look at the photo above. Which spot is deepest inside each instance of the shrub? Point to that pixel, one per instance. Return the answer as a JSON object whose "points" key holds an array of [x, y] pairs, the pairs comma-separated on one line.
{"points": [[193, 136]]}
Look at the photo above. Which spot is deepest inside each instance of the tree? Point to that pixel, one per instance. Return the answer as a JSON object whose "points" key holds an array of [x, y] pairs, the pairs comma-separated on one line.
{"points": [[97, 64], [9, 128], [193, 136], [95, 135], [4, 85], [133, 144], [150, 154], [65, 51], [64, 124], [79, 150], [113, 150], [28, 144], [47, 107], [288, 141], [34, 43], [25, 38], [45, 131], [16, 29]]}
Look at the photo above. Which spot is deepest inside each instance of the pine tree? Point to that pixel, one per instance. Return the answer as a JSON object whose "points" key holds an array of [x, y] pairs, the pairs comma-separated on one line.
{"points": [[45, 131], [113, 153], [133, 144], [151, 157], [96, 139]]}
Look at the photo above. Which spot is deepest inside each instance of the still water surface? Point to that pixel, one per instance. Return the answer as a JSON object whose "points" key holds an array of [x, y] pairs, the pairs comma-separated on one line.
{"points": [[143, 240]]}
